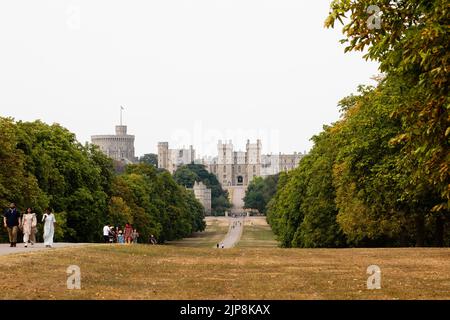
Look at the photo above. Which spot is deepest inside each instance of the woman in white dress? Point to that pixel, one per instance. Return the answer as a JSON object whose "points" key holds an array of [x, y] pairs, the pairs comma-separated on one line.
{"points": [[49, 228], [29, 222]]}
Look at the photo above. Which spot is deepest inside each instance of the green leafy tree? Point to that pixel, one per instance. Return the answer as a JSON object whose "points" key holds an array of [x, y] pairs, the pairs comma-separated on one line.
{"points": [[412, 44], [187, 175], [149, 158], [118, 212], [45, 166], [259, 192]]}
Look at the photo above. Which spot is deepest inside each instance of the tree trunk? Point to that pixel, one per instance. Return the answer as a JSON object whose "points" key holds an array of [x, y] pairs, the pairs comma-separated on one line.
{"points": [[404, 237], [420, 231], [440, 230]]}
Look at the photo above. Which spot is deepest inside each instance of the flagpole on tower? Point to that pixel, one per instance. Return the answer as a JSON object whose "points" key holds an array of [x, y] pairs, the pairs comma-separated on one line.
{"points": [[121, 109]]}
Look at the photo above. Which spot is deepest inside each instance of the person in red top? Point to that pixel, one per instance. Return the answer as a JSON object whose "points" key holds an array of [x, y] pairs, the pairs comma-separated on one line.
{"points": [[128, 233]]}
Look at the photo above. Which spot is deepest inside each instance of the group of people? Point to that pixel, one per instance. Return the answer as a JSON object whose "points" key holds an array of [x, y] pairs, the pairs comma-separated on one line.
{"points": [[235, 224], [113, 234], [129, 235], [27, 223]]}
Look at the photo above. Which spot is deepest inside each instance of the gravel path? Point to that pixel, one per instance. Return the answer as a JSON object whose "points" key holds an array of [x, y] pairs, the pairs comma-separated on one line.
{"points": [[6, 250], [234, 233]]}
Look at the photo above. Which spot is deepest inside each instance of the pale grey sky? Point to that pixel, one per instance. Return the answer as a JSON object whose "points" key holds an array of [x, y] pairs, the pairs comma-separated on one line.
{"points": [[186, 71]]}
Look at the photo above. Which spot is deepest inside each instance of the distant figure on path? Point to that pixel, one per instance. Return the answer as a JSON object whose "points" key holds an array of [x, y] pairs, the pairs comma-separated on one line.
{"points": [[11, 221], [29, 222], [223, 246], [217, 246], [106, 233], [128, 233], [49, 227], [135, 236]]}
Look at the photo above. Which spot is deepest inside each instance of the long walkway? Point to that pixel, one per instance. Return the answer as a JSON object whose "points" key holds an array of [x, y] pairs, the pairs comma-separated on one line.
{"points": [[234, 233], [5, 249]]}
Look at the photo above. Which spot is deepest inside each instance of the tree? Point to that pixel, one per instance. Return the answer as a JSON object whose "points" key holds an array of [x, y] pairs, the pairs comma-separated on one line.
{"points": [[354, 188], [412, 44], [187, 175], [303, 211], [16, 183], [169, 212], [149, 158], [119, 213], [259, 192]]}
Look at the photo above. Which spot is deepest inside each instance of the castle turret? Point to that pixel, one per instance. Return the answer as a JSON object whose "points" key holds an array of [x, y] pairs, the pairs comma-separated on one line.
{"points": [[121, 130], [163, 155], [253, 160], [119, 146], [225, 163]]}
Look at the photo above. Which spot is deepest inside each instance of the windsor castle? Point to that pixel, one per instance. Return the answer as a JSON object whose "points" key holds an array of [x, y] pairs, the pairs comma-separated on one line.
{"points": [[232, 168]]}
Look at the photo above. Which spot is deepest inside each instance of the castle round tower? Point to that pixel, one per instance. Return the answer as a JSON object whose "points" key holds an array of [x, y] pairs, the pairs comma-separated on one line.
{"points": [[119, 147]]}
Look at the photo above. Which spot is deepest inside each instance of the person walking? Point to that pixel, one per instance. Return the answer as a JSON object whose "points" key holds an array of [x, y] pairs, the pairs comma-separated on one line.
{"points": [[128, 233], [12, 221], [135, 236], [152, 240], [29, 222], [33, 235], [113, 235], [49, 228], [120, 238], [106, 233]]}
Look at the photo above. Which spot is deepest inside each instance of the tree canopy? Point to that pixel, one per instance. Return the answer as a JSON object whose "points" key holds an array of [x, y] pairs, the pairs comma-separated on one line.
{"points": [[149, 158], [259, 193], [380, 175]]}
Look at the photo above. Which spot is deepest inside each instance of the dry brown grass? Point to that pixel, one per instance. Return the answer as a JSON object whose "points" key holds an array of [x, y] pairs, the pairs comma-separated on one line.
{"points": [[169, 272], [216, 230], [257, 234]]}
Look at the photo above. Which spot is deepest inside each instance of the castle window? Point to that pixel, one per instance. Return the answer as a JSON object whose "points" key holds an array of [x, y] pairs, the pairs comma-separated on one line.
{"points": [[254, 169], [224, 168]]}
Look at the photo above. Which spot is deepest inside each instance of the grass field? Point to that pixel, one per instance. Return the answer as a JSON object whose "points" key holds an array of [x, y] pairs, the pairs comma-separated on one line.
{"points": [[257, 234], [170, 272], [216, 229], [256, 269]]}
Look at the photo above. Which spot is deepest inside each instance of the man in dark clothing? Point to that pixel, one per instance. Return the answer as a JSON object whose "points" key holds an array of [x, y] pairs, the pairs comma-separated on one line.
{"points": [[11, 221], [152, 240]]}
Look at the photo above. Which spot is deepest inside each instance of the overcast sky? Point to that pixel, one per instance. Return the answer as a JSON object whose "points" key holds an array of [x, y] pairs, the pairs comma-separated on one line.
{"points": [[186, 71]]}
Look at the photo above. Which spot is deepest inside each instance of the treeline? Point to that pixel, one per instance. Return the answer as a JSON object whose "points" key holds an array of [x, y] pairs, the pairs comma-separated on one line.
{"points": [[259, 193], [380, 175], [44, 166], [187, 175]]}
